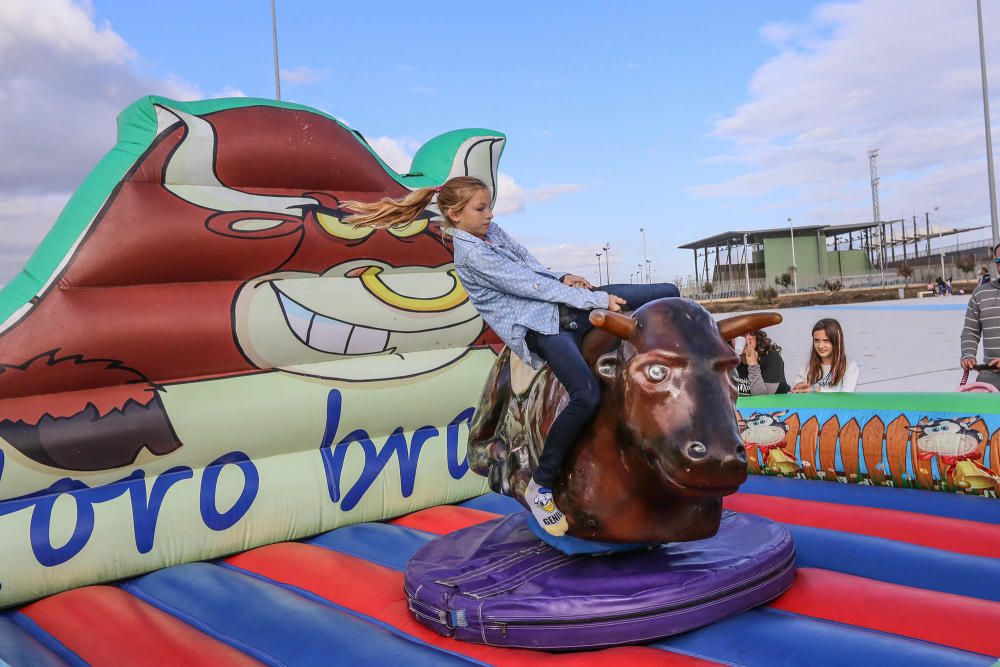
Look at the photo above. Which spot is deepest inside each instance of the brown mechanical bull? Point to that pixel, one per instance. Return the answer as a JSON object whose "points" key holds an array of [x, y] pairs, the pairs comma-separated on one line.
{"points": [[664, 447]]}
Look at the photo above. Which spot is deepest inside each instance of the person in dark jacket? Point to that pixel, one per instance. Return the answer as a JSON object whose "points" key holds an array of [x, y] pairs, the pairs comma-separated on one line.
{"points": [[761, 369]]}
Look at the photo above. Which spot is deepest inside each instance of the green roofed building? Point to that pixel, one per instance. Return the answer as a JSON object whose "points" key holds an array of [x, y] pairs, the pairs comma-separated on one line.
{"points": [[817, 252]]}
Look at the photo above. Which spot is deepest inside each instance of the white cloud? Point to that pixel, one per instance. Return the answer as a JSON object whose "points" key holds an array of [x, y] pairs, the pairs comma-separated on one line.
{"points": [[510, 195], [899, 75], [63, 81], [512, 198], [397, 153], [229, 91], [303, 75]]}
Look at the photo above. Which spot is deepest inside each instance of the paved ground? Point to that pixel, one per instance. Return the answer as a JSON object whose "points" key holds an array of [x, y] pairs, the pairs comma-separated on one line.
{"points": [[902, 345]]}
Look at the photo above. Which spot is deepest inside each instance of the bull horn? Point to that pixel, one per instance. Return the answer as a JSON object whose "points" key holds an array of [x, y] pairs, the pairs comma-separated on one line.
{"points": [[620, 325], [190, 174], [734, 327]]}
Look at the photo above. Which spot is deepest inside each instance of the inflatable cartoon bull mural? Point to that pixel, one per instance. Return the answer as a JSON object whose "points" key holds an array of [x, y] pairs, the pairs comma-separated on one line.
{"points": [[664, 447]]}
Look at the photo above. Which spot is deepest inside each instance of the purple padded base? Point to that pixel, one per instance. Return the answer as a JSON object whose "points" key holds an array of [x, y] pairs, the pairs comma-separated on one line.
{"points": [[496, 583]]}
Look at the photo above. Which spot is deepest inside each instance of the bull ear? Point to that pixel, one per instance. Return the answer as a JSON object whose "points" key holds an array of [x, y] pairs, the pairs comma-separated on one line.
{"points": [[620, 325], [734, 327], [607, 367]]}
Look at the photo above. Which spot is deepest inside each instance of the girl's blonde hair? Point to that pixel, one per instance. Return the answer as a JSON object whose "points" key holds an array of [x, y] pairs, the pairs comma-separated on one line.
{"points": [[838, 365], [452, 197]]}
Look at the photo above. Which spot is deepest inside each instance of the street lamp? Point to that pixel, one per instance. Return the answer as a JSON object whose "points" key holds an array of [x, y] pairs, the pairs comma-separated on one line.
{"points": [[607, 261], [649, 270], [795, 269], [598, 267], [986, 121], [642, 230]]}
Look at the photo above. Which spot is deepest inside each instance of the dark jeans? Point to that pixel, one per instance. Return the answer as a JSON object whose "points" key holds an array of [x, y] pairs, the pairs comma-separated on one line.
{"points": [[562, 352]]}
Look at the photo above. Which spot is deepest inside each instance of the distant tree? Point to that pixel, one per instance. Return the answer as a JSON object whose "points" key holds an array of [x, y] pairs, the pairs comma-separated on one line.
{"points": [[708, 288], [905, 271], [831, 286], [765, 295], [784, 280], [966, 264]]}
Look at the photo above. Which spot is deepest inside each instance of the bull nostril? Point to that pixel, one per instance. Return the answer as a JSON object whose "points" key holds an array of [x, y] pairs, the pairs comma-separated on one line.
{"points": [[741, 453], [697, 450]]}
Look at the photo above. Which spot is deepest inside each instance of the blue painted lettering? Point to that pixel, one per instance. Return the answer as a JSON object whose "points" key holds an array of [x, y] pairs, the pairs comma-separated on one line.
{"points": [[407, 454], [209, 485]]}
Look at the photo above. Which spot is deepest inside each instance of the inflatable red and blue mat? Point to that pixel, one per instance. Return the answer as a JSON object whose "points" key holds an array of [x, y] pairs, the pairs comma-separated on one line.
{"points": [[886, 576]]}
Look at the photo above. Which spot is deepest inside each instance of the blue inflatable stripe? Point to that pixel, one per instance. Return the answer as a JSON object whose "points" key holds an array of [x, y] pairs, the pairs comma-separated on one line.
{"points": [[380, 543], [494, 502], [764, 637], [897, 562], [274, 625], [935, 503], [24, 642]]}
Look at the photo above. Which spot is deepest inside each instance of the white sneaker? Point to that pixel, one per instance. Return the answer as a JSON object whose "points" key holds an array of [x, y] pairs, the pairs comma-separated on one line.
{"points": [[544, 509]]}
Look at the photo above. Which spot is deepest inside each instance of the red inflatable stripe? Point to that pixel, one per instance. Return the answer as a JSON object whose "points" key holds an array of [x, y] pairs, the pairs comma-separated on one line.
{"points": [[444, 519], [377, 592], [956, 535], [107, 626], [971, 624]]}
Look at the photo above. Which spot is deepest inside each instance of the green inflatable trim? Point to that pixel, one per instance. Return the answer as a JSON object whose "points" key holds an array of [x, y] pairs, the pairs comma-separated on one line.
{"points": [[136, 132], [971, 402]]}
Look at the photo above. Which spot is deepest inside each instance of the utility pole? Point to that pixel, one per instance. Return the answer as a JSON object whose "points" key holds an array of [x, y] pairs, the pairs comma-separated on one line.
{"points": [[274, 31], [876, 214], [795, 269], [986, 120]]}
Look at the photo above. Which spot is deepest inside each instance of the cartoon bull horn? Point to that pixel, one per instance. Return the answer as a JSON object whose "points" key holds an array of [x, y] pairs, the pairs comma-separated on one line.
{"points": [[734, 327], [617, 324], [190, 172]]}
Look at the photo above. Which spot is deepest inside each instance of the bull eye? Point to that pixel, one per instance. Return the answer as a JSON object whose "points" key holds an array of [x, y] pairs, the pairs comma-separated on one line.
{"points": [[656, 372], [409, 229], [334, 227]]}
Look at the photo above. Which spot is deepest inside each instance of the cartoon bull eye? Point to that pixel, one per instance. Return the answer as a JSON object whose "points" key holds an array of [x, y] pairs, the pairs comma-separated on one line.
{"points": [[410, 229], [334, 227], [656, 372]]}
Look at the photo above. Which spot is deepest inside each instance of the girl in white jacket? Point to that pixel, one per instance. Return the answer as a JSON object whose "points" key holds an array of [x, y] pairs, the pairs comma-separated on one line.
{"points": [[828, 369]]}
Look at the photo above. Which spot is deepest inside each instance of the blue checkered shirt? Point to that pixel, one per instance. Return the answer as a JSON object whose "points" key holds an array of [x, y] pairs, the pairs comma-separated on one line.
{"points": [[513, 291]]}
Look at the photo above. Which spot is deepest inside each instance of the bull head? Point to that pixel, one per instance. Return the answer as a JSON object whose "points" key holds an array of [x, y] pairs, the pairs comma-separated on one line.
{"points": [[671, 381]]}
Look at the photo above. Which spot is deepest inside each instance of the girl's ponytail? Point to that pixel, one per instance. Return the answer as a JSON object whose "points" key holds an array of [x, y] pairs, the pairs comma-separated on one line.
{"points": [[451, 197], [389, 212]]}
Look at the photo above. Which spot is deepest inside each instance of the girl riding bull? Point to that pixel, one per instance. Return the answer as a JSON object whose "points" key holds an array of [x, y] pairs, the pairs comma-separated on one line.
{"points": [[519, 299]]}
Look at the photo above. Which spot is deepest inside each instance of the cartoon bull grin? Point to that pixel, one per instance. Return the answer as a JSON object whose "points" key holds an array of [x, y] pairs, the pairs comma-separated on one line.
{"points": [[222, 251], [420, 316]]}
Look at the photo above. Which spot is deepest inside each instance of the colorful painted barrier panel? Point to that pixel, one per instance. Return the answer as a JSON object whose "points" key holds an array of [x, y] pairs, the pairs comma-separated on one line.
{"points": [[942, 442]]}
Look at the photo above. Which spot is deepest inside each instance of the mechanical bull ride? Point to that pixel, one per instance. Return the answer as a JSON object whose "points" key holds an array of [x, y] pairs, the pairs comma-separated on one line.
{"points": [[664, 447], [652, 468]]}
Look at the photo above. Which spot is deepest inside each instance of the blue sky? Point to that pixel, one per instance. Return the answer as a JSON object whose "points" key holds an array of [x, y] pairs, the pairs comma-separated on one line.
{"points": [[685, 118]]}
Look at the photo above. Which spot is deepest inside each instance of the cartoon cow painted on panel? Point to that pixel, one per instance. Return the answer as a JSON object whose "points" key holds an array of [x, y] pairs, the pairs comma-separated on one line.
{"points": [[764, 432], [222, 252], [956, 446]]}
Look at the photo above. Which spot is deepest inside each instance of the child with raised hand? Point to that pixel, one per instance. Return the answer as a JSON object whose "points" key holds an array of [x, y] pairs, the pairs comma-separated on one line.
{"points": [[828, 368], [519, 299]]}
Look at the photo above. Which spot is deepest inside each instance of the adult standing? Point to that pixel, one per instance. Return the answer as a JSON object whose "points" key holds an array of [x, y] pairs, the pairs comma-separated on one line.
{"points": [[982, 321]]}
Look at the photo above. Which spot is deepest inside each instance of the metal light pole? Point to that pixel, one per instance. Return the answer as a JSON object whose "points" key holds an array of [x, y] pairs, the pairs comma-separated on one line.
{"points": [[795, 269], [607, 261], [598, 268], [274, 31], [986, 121], [649, 271], [642, 230], [746, 263]]}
